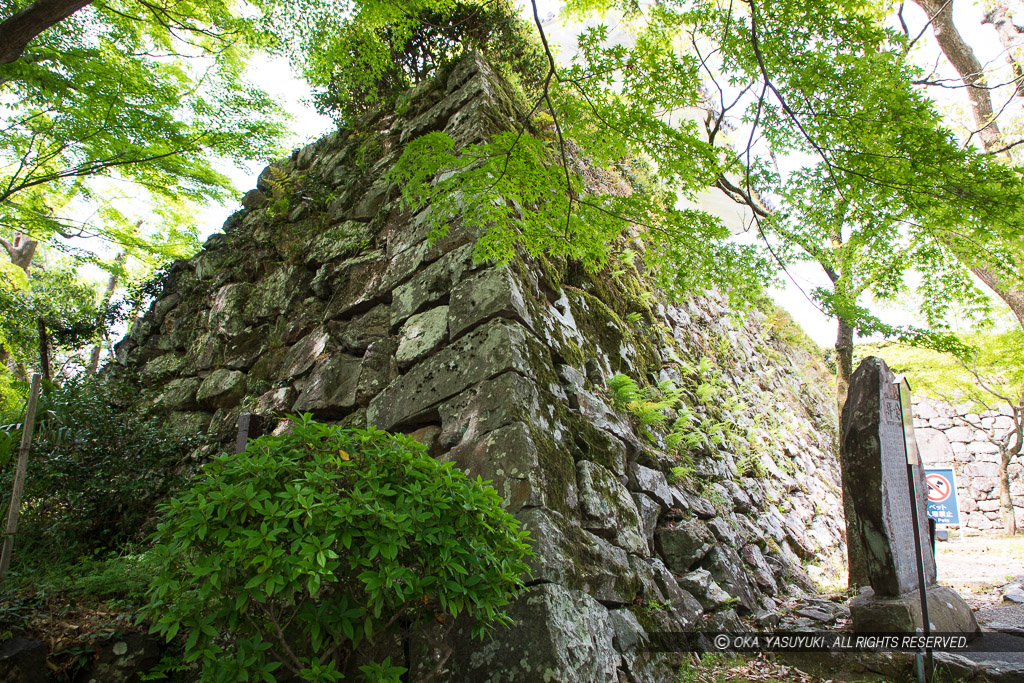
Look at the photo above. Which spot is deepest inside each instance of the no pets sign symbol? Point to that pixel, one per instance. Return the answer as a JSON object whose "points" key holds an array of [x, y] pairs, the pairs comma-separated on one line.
{"points": [[942, 503]]}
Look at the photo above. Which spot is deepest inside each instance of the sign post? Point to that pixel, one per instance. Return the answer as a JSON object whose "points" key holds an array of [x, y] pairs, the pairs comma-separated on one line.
{"points": [[914, 460], [250, 426]]}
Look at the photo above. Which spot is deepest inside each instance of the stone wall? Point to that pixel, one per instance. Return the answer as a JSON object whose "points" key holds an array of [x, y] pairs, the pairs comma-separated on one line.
{"points": [[956, 436], [326, 296]]}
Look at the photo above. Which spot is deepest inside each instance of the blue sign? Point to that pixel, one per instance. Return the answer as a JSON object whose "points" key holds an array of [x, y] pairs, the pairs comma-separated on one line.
{"points": [[942, 506]]}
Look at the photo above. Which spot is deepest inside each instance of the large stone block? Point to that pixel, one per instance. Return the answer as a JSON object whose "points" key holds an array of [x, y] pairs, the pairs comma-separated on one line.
{"points": [[652, 482], [631, 641], [683, 544], [379, 369], [304, 354], [277, 292], [933, 445], [161, 369], [435, 282], [759, 569], [982, 469], [607, 508], [357, 334], [978, 520], [685, 610], [557, 634], [244, 349], [331, 385], [566, 554], [602, 416], [702, 586], [334, 242], [525, 469], [227, 311], [179, 394], [947, 612], [488, 351], [495, 292], [421, 335], [350, 286], [982, 447], [221, 389], [23, 660], [649, 510], [729, 572], [960, 434], [490, 405]]}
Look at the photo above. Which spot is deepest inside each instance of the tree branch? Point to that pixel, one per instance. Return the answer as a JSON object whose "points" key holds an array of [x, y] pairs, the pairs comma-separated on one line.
{"points": [[552, 72], [18, 30]]}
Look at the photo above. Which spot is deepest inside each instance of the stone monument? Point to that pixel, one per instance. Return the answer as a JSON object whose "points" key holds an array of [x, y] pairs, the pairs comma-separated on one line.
{"points": [[874, 467]]}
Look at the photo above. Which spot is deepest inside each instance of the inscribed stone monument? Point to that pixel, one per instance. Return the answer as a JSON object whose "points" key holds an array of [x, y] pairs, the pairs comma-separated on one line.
{"points": [[874, 451]]}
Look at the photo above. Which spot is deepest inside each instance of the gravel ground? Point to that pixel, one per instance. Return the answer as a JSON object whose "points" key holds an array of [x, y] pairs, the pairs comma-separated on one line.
{"points": [[977, 566]]}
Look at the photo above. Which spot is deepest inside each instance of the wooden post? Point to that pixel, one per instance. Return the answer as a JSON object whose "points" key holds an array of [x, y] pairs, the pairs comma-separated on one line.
{"points": [[19, 476], [250, 426]]}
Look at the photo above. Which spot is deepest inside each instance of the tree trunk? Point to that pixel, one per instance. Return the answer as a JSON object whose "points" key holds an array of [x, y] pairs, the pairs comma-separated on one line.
{"points": [[18, 30], [1005, 501], [1014, 298], [94, 356], [5, 359], [844, 362], [21, 250], [856, 562], [963, 59], [1012, 41], [44, 348]]}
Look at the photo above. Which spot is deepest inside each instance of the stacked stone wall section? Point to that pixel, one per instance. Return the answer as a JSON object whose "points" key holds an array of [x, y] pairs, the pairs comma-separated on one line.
{"points": [[961, 438], [343, 307]]}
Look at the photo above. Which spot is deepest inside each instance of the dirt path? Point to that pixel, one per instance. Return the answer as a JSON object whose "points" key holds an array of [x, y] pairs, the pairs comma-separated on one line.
{"points": [[977, 566]]}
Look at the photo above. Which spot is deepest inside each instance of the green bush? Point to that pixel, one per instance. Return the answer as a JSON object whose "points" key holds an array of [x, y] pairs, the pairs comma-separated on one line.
{"points": [[356, 70], [95, 472], [310, 549]]}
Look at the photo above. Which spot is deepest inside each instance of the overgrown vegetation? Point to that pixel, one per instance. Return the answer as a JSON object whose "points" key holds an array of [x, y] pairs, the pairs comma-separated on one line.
{"points": [[316, 551], [696, 418], [96, 471], [369, 57]]}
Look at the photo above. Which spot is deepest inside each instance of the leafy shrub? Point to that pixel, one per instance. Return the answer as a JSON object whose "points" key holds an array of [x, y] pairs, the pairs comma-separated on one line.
{"points": [[357, 69], [311, 549], [95, 473]]}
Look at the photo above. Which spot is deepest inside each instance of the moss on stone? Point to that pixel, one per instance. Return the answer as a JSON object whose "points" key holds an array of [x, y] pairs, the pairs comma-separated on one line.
{"points": [[557, 470], [552, 272]]}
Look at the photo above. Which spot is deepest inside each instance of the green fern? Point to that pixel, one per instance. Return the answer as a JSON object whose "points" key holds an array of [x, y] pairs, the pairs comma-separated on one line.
{"points": [[680, 474], [706, 392], [647, 413], [278, 182], [623, 389]]}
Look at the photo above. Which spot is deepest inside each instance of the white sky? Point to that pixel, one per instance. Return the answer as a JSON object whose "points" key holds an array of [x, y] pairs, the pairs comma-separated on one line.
{"points": [[276, 77]]}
